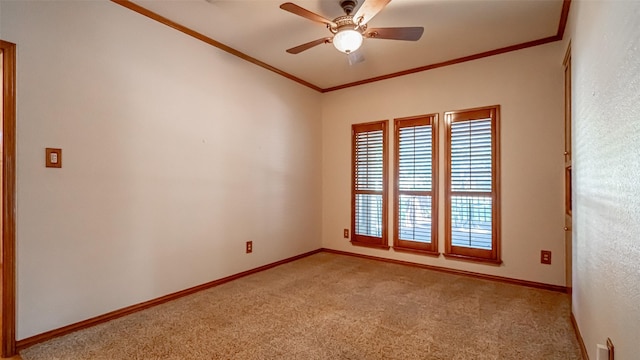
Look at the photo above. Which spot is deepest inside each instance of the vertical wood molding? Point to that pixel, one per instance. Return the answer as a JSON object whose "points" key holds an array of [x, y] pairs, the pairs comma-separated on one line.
{"points": [[568, 189], [7, 245], [583, 348]]}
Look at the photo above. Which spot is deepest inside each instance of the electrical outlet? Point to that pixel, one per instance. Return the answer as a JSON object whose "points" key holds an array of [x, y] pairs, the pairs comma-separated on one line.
{"points": [[346, 233], [545, 257], [249, 247]]}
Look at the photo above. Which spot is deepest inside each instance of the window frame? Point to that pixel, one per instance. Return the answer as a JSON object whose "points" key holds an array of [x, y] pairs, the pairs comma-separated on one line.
{"points": [[408, 245], [365, 240], [464, 253]]}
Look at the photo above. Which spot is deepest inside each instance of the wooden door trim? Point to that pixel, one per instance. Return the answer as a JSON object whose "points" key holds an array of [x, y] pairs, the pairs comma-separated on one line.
{"points": [[568, 178], [7, 245]]}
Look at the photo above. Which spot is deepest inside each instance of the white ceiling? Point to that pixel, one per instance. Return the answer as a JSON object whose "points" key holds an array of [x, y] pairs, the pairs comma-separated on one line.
{"points": [[453, 29]]}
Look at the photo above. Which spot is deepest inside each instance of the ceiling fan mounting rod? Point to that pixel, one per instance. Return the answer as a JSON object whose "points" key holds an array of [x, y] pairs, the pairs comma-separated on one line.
{"points": [[348, 5]]}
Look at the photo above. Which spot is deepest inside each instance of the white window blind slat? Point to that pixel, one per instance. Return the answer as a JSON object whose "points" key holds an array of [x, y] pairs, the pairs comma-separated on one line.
{"points": [[415, 160], [471, 171], [368, 215], [368, 182], [368, 160], [415, 218], [414, 171], [471, 222]]}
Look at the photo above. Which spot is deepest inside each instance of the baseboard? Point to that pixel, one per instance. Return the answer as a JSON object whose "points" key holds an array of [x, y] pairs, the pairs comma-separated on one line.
{"points": [[30, 341], [455, 271], [583, 348]]}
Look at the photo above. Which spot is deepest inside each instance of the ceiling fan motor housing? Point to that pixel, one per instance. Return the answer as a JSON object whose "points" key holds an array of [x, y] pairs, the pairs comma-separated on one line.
{"points": [[346, 22]]}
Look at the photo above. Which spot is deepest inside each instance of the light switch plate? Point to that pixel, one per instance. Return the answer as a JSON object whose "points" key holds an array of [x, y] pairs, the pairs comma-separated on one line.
{"points": [[545, 257], [53, 157]]}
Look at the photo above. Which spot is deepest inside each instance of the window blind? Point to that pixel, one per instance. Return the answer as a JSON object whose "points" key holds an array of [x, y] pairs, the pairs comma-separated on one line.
{"points": [[472, 194], [369, 168], [415, 158], [415, 183], [415, 174], [471, 172], [369, 155]]}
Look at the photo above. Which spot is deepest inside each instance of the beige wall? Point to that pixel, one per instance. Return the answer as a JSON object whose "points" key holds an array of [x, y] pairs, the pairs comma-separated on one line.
{"points": [[174, 154], [605, 42], [528, 86]]}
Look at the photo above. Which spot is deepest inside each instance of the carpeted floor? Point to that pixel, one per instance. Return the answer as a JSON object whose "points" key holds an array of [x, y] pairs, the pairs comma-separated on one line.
{"points": [[329, 306]]}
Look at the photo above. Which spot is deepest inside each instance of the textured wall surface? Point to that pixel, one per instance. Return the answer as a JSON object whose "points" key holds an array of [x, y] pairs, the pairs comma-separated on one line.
{"points": [[174, 155], [528, 86], [606, 108]]}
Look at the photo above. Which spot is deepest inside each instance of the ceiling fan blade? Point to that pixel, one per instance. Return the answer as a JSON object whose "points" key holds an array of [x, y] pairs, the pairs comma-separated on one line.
{"points": [[293, 8], [300, 48], [399, 33], [368, 10]]}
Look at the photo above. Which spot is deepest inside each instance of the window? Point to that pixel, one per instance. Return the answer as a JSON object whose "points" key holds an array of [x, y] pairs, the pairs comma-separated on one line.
{"points": [[472, 190], [415, 196], [369, 184]]}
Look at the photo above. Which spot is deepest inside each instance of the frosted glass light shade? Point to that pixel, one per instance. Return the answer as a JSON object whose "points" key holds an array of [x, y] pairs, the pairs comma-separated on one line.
{"points": [[347, 41]]}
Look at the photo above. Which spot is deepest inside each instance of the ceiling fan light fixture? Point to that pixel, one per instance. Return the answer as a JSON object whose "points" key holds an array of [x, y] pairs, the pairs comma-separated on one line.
{"points": [[347, 41]]}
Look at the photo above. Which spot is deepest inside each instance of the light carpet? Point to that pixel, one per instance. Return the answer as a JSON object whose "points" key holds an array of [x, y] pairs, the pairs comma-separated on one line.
{"points": [[329, 306]]}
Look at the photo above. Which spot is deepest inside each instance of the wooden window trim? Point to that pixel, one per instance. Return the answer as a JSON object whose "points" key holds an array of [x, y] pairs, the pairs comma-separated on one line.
{"points": [[492, 256], [413, 246], [363, 240]]}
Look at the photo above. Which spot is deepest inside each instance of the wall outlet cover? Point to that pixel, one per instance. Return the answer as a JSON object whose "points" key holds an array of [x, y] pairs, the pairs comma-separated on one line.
{"points": [[545, 257]]}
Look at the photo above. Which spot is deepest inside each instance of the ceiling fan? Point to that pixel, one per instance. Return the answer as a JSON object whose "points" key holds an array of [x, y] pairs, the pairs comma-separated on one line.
{"points": [[349, 30]]}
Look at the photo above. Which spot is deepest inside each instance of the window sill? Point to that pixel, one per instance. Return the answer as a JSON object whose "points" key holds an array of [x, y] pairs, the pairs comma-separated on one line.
{"points": [[365, 244], [496, 262], [416, 251]]}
